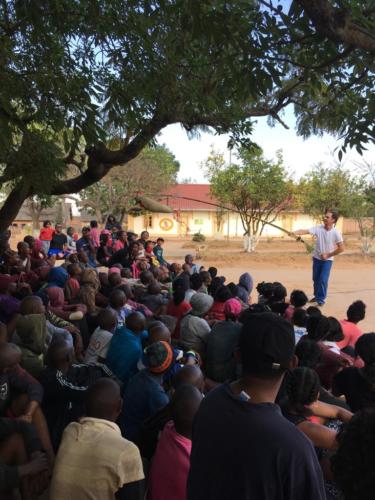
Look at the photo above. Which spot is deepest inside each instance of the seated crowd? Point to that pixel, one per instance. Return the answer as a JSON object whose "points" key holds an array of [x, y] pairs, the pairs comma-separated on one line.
{"points": [[125, 376]]}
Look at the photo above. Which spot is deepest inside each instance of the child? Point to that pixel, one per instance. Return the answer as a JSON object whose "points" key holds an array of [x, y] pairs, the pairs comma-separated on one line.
{"points": [[158, 252], [117, 304], [298, 300], [154, 299], [102, 336], [94, 233], [72, 286], [32, 332], [89, 287], [45, 236], [299, 320]]}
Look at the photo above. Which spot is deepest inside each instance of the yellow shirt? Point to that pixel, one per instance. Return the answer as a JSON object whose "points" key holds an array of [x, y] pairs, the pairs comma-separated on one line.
{"points": [[94, 461]]}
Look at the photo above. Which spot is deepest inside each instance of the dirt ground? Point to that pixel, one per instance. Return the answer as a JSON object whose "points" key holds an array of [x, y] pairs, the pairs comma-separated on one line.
{"points": [[352, 275]]}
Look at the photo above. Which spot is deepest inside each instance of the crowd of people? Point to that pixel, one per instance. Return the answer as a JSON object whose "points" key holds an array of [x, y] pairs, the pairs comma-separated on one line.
{"points": [[123, 375]]}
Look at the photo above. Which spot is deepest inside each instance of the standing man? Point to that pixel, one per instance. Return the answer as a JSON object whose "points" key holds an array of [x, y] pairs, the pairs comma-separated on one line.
{"points": [[329, 243]]}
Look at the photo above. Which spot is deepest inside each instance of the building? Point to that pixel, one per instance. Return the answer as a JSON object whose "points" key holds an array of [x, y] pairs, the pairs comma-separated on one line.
{"points": [[195, 215]]}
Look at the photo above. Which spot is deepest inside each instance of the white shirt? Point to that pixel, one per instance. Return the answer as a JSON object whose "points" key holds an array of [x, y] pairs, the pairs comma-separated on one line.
{"points": [[326, 240], [98, 346]]}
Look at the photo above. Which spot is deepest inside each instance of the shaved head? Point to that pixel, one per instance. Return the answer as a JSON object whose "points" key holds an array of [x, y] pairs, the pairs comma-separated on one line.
{"points": [[10, 355], [189, 375], [103, 400]]}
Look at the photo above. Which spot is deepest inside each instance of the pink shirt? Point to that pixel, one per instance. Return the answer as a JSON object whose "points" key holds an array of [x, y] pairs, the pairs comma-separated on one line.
{"points": [[170, 466], [119, 245], [94, 233], [351, 334]]}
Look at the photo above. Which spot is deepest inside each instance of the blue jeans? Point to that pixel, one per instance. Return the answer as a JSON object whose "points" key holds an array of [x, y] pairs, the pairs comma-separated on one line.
{"points": [[321, 270]]}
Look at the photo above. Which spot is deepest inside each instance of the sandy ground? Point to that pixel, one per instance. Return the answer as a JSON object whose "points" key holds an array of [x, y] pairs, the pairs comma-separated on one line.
{"points": [[352, 276]]}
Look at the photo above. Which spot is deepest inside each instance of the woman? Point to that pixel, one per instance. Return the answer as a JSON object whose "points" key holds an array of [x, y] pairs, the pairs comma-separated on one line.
{"points": [[302, 389], [111, 222]]}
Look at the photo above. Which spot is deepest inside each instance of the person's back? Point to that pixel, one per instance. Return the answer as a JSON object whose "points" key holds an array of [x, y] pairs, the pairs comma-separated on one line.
{"points": [[94, 460], [125, 348], [221, 344], [243, 448]]}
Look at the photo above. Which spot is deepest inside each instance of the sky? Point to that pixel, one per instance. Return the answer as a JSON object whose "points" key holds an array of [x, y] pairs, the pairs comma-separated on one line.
{"points": [[299, 154]]}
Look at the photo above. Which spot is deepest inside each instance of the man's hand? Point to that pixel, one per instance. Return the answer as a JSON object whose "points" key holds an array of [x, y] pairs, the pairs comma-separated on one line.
{"points": [[324, 256]]}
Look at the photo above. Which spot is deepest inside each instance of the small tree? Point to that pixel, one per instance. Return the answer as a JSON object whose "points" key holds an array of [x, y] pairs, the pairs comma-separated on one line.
{"points": [[257, 188]]}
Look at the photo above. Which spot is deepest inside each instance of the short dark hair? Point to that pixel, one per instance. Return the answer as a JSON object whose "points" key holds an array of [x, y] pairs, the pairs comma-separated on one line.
{"points": [[353, 463], [223, 294], [335, 330], [356, 311], [317, 328], [160, 239], [335, 213], [298, 298], [93, 223], [196, 281], [299, 317], [46, 222]]}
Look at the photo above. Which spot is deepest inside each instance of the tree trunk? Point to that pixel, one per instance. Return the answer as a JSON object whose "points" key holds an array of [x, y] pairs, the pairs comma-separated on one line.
{"points": [[12, 205], [367, 242], [250, 241]]}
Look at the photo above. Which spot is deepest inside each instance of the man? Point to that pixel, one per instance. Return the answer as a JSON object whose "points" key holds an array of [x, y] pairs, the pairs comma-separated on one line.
{"points": [[58, 242], [329, 243], [94, 460], [243, 448], [189, 260], [85, 245]]}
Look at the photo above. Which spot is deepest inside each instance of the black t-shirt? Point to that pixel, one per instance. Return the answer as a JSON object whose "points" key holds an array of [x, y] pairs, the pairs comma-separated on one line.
{"points": [[355, 388], [58, 241], [120, 257], [247, 451]]}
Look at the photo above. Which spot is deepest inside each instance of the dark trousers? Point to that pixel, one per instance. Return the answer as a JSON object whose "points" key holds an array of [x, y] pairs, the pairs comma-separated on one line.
{"points": [[321, 270]]}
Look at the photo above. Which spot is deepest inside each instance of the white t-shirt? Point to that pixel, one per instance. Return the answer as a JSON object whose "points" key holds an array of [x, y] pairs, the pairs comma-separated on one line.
{"points": [[98, 346], [326, 240]]}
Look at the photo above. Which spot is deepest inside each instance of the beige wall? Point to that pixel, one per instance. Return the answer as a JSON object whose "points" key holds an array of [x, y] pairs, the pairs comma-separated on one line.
{"points": [[206, 222]]}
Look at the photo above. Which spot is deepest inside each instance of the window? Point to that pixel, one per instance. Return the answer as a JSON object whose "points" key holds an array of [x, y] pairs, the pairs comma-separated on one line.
{"points": [[149, 221], [198, 222]]}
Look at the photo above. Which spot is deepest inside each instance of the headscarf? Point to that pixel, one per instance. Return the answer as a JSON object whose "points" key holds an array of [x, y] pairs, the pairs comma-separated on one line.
{"points": [[245, 287], [56, 296], [57, 277]]}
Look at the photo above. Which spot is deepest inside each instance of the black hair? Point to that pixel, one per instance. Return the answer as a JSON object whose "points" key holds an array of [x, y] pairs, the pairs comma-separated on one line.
{"points": [[335, 213], [302, 388], [213, 272], [216, 283], [160, 239], [314, 311], [317, 327], [356, 311], [223, 294], [196, 281], [233, 289], [308, 353], [354, 461], [279, 292], [365, 349], [204, 275], [298, 298], [299, 317], [252, 309], [335, 330], [179, 289], [93, 223], [265, 290], [46, 222]]}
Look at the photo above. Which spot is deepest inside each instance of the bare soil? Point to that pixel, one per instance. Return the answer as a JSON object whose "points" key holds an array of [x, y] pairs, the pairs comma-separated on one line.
{"points": [[352, 275]]}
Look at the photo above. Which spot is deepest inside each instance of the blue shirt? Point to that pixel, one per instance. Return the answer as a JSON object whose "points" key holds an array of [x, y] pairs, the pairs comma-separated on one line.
{"points": [[124, 352], [144, 396]]}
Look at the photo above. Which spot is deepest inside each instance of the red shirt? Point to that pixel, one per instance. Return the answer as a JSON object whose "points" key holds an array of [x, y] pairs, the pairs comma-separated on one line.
{"points": [[178, 312], [351, 334], [217, 311], [46, 233]]}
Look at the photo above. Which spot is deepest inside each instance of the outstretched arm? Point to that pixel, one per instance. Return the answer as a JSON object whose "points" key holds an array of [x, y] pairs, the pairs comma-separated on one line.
{"points": [[301, 232]]}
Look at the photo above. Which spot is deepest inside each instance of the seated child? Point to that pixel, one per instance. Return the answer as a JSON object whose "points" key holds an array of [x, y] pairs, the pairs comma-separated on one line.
{"points": [[118, 304], [298, 300], [102, 336], [72, 285], [154, 299], [299, 320]]}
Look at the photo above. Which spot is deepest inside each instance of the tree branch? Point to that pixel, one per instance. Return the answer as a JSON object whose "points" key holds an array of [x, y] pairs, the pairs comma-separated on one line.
{"points": [[337, 25]]}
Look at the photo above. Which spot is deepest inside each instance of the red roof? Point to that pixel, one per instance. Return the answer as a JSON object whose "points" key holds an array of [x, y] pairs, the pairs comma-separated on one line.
{"points": [[200, 192]]}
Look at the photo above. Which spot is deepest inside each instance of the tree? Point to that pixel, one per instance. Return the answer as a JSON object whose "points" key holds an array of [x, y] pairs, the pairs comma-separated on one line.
{"points": [[257, 188], [151, 173], [352, 195], [74, 74]]}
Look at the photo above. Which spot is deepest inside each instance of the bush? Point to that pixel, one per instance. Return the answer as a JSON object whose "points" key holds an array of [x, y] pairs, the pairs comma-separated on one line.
{"points": [[198, 237]]}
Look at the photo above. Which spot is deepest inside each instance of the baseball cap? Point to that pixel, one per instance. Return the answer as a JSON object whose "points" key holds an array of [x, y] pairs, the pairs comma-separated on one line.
{"points": [[158, 356], [266, 343]]}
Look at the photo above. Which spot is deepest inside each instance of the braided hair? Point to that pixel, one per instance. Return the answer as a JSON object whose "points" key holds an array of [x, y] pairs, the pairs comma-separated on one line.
{"points": [[302, 388]]}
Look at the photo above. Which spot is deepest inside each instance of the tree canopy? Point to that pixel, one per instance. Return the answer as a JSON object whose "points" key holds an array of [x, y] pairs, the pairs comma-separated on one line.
{"points": [[76, 73], [151, 173]]}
